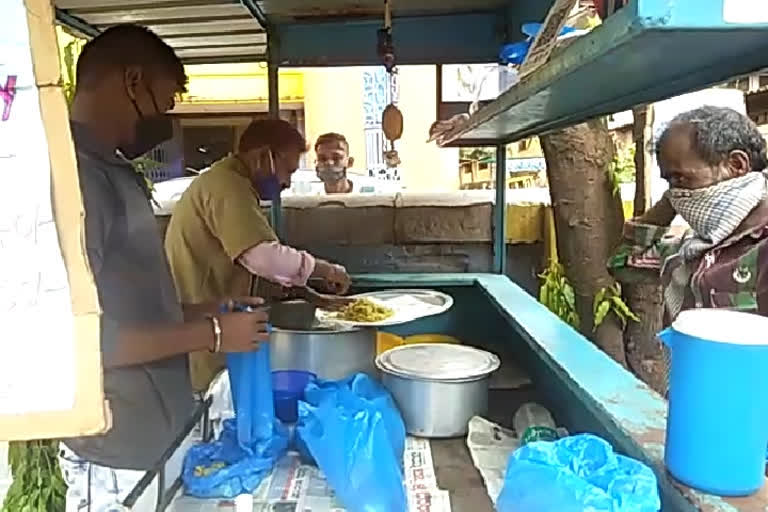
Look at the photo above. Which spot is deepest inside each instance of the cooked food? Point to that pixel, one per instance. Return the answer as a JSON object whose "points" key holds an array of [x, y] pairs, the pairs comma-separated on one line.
{"points": [[201, 471], [364, 310]]}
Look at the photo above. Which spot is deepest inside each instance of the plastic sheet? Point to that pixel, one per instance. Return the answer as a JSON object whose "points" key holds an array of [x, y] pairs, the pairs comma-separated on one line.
{"points": [[575, 474], [355, 433]]}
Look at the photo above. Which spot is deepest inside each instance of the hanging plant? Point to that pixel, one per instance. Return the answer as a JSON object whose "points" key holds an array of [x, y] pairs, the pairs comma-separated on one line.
{"points": [[37, 482], [556, 293], [608, 300]]}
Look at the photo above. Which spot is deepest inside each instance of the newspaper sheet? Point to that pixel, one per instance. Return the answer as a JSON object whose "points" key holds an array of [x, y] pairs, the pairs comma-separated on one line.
{"points": [[297, 487]]}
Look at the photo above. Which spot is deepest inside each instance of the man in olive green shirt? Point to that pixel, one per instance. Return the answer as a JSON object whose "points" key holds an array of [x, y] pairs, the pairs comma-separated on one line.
{"points": [[218, 236]]}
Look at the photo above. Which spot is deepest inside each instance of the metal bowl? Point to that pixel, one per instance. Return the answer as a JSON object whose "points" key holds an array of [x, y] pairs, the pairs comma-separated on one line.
{"points": [[292, 315]]}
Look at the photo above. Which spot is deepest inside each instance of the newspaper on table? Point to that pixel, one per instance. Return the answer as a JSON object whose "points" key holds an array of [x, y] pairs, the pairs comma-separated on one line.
{"points": [[297, 487]]}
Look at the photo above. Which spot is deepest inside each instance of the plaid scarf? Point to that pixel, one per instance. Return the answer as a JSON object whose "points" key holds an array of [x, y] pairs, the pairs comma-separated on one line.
{"points": [[713, 213]]}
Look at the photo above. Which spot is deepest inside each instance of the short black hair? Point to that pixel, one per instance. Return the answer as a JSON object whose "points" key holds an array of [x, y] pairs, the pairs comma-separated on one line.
{"points": [[716, 131], [331, 137], [276, 134], [121, 46]]}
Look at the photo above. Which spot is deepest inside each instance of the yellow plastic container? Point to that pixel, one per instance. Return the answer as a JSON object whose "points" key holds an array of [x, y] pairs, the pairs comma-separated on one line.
{"points": [[431, 338], [386, 341]]}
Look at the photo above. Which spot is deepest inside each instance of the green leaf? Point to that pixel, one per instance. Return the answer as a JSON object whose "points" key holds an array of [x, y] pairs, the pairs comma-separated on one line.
{"points": [[602, 311], [598, 300], [570, 296], [620, 306]]}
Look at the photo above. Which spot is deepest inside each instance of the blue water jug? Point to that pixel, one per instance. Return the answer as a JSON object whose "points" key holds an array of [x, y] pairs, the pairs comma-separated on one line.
{"points": [[717, 426]]}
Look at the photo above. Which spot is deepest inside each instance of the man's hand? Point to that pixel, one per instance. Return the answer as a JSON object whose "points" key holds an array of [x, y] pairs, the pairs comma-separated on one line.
{"points": [[335, 277], [200, 311], [229, 304], [243, 332]]}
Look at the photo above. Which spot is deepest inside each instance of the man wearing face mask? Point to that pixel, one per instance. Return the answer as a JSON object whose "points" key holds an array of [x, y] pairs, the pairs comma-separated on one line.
{"points": [[218, 238], [127, 79], [714, 159], [333, 160]]}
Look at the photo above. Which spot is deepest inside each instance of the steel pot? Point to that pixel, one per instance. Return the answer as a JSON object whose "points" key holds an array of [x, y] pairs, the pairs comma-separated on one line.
{"points": [[438, 387], [328, 352]]}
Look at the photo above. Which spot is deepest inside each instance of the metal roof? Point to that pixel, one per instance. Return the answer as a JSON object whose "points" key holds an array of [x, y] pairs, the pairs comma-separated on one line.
{"points": [[199, 30], [314, 32]]}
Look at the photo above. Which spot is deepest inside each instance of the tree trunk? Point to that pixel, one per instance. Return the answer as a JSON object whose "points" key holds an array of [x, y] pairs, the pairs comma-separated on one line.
{"points": [[642, 133], [588, 220], [644, 351], [643, 293]]}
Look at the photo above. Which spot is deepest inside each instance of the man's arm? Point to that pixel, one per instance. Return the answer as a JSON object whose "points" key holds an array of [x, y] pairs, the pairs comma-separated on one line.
{"points": [[660, 214], [278, 263], [141, 345], [134, 345]]}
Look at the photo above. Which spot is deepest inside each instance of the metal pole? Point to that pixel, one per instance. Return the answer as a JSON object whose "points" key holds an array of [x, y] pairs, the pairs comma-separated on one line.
{"points": [[274, 113], [500, 212]]}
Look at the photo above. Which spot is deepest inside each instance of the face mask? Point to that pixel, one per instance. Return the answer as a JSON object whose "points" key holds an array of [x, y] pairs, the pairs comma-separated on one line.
{"points": [[269, 187], [331, 174], [714, 212], [149, 131]]}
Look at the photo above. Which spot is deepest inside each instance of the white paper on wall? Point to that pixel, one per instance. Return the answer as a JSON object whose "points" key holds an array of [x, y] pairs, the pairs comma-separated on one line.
{"points": [[36, 319]]}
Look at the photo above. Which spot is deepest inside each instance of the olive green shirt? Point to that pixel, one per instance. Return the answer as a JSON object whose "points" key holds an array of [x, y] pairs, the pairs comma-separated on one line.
{"points": [[216, 220]]}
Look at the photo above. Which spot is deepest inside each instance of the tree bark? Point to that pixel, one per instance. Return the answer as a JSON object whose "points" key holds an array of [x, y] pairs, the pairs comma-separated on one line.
{"points": [[643, 135], [644, 352], [588, 220], [643, 292]]}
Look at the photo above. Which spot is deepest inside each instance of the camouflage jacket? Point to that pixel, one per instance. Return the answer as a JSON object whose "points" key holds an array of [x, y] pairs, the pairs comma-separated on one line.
{"points": [[733, 274]]}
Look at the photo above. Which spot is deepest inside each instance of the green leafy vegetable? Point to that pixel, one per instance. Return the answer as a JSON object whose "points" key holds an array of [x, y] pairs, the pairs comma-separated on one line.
{"points": [[37, 482]]}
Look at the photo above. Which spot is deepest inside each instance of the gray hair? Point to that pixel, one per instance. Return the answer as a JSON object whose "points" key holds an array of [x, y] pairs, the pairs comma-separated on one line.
{"points": [[716, 131]]}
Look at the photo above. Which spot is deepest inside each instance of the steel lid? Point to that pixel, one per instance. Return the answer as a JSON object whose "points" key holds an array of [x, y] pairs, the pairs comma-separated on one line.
{"points": [[438, 362]]}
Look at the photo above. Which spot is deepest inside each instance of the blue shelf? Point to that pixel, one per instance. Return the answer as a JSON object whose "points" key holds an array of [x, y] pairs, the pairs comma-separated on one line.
{"points": [[646, 52]]}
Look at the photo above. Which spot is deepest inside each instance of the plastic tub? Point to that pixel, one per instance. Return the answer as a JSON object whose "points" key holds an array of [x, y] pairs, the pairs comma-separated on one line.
{"points": [[717, 426], [288, 388], [386, 341], [418, 339]]}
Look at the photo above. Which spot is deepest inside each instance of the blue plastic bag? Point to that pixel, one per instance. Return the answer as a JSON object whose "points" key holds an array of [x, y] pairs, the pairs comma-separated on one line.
{"points": [[224, 469], [355, 433], [575, 474], [250, 378], [249, 445]]}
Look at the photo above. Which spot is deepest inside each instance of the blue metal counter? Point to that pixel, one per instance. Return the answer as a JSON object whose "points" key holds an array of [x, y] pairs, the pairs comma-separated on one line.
{"points": [[588, 391]]}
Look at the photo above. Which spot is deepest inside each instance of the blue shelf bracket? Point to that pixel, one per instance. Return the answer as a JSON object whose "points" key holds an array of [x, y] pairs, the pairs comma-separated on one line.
{"points": [[500, 212]]}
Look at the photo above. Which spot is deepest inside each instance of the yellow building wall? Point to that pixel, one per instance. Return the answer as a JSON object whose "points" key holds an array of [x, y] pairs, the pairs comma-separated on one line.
{"points": [[426, 167], [240, 83], [333, 102]]}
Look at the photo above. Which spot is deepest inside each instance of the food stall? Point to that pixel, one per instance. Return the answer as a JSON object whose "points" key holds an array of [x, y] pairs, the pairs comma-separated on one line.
{"points": [[602, 72]]}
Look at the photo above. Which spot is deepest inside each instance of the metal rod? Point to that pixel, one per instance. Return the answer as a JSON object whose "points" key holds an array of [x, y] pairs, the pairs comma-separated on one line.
{"points": [[274, 113], [76, 24], [500, 212], [257, 12]]}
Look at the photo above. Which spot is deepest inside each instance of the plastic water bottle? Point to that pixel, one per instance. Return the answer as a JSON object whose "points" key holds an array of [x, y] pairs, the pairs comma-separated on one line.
{"points": [[533, 422]]}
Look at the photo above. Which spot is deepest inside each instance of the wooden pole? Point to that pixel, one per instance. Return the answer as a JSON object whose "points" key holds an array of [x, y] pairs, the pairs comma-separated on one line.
{"points": [[643, 137]]}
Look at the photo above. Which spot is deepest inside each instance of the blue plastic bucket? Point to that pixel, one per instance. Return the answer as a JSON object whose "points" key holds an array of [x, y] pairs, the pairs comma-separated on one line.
{"points": [[288, 388], [717, 427]]}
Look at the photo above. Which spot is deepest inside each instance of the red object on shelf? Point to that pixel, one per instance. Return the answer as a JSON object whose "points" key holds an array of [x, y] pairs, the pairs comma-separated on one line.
{"points": [[603, 7]]}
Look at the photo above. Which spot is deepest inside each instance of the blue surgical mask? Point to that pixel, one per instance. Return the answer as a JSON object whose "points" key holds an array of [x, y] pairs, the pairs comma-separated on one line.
{"points": [[269, 188]]}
